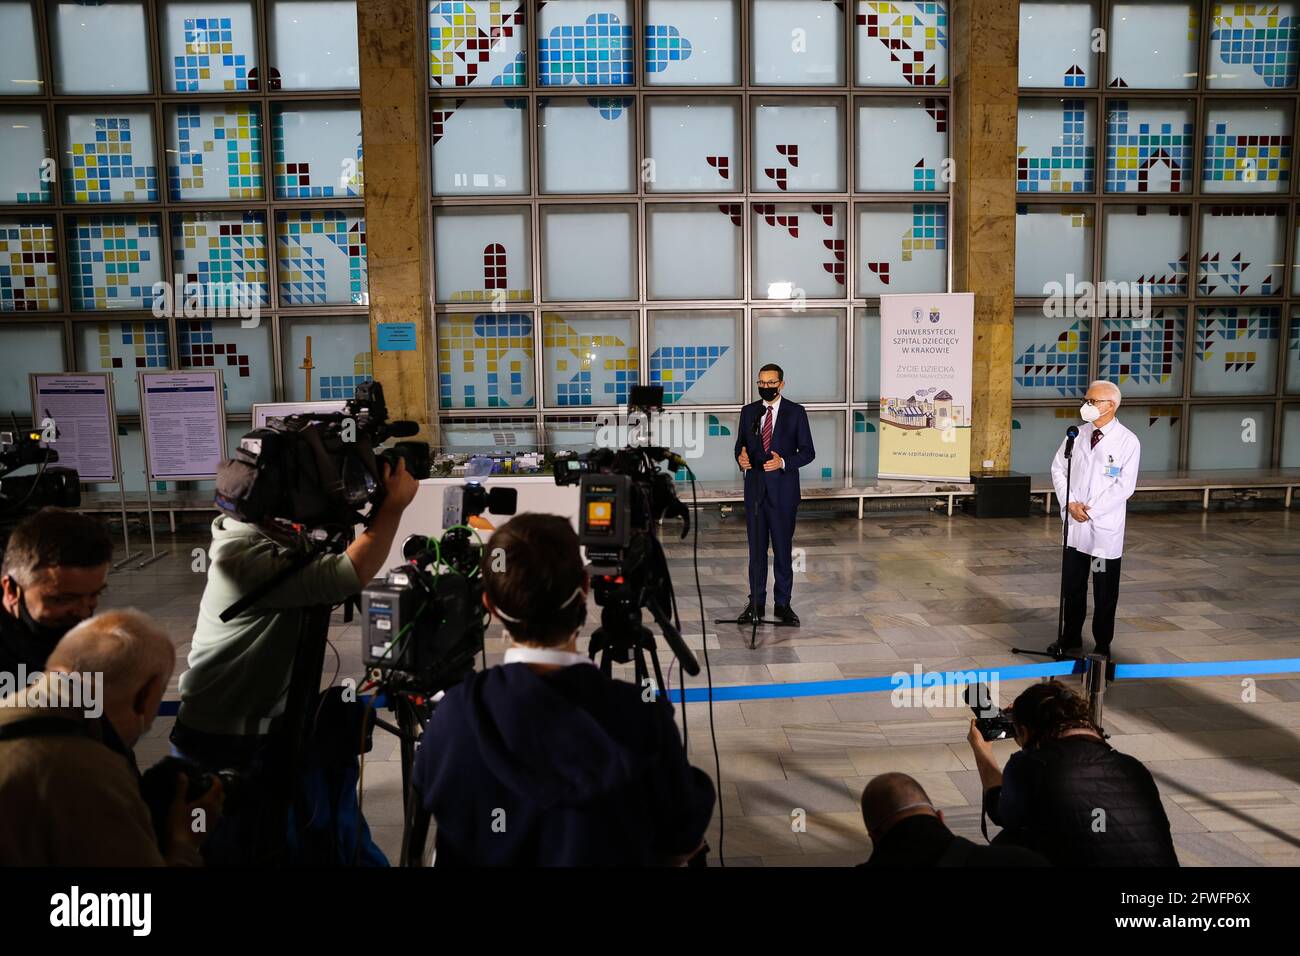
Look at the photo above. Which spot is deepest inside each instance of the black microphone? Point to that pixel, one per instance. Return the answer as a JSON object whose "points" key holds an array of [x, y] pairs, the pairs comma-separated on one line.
{"points": [[1071, 434], [401, 429]]}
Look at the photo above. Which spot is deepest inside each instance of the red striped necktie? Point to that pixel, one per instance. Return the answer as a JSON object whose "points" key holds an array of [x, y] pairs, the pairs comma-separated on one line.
{"points": [[1096, 437], [767, 430]]}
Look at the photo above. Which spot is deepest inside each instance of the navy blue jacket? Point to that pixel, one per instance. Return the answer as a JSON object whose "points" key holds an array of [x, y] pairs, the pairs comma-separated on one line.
{"points": [[791, 439], [563, 768]]}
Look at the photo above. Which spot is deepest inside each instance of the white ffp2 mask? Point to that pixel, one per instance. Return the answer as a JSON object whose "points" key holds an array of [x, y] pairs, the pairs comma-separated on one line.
{"points": [[1089, 413]]}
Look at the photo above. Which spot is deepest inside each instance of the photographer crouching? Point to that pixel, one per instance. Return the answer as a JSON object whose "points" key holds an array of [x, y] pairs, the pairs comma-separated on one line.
{"points": [[544, 761], [1068, 794], [234, 694]]}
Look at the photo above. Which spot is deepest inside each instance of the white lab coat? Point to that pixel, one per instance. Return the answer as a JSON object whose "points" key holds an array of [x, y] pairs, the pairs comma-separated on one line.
{"points": [[1102, 478]]}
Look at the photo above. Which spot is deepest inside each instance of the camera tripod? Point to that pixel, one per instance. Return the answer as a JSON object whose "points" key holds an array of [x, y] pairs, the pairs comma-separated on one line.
{"points": [[622, 638]]}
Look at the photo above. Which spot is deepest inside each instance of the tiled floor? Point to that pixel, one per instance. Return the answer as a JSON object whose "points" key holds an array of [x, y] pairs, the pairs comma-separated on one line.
{"points": [[881, 594]]}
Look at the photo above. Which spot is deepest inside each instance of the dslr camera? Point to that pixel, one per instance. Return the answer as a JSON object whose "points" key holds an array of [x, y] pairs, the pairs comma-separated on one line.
{"points": [[991, 721]]}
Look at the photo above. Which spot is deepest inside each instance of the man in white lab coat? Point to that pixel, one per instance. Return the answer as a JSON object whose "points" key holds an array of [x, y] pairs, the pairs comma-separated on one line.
{"points": [[1103, 476]]}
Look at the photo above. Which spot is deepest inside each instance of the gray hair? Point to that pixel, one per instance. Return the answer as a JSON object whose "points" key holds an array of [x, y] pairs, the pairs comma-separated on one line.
{"points": [[1110, 387], [126, 646]]}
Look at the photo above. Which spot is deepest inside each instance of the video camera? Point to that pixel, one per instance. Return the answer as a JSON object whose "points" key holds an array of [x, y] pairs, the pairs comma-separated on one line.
{"points": [[20, 494], [623, 493], [423, 624], [318, 471]]}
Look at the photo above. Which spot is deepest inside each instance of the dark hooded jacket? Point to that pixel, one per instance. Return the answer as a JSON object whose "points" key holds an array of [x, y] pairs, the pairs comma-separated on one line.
{"points": [[1079, 802], [562, 768]]}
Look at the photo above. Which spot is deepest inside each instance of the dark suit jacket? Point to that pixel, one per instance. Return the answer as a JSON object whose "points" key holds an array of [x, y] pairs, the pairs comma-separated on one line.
{"points": [[924, 841], [791, 439]]}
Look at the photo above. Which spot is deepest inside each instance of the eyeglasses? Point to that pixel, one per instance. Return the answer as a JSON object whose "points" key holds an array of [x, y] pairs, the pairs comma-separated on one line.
{"points": [[1094, 401], [763, 384]]}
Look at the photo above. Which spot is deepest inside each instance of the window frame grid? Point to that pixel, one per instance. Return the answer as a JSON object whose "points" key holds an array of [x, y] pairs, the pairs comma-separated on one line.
{"points": [[1196, 199], [745, 91], [158, 103]]}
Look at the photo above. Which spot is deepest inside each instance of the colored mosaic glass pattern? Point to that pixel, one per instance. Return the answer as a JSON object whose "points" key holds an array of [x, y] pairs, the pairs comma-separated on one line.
{"points": [[913, 33], [344, 386], [929, 230], [127, 345], [113, 262], [663, 45], [210, 61], [1245, 157], [205, 135], [225, 256], [198, 345], [29, 279], [1258, 37], [107, 169], [678, 367], [293, 175], [1219, 269], [1061, 364], [467, 341], [1228, 332], [597, 51], [1130, 156], [1067, 168], [315, 248], [1140, 351], [620, 367], [461, 40]]}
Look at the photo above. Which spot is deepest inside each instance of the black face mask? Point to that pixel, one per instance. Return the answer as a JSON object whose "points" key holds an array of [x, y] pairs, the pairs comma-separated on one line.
{"points": [[52, 633], [769, 394]]}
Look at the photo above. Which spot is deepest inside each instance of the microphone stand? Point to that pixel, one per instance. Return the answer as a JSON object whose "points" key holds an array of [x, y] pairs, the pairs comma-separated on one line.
{"points": [[1065, 543]]}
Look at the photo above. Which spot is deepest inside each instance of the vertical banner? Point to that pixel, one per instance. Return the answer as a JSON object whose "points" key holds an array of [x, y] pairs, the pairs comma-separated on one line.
{"points": [[183, 416], [78, 411], [926, 344]]}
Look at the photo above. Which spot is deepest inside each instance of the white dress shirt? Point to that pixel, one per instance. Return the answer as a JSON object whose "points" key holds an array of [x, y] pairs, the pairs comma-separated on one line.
{"points": [[1103, 478], [776, 410]]}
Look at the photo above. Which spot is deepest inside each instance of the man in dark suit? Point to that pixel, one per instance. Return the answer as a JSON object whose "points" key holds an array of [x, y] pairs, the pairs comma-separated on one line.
{"points": [[772, 444]]}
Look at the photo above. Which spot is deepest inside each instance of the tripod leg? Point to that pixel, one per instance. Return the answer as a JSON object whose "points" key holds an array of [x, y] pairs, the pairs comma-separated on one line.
{"points": [[415, 834]]}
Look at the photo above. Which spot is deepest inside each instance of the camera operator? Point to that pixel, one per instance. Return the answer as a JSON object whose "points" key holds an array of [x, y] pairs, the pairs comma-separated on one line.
{"points": [[69, 786], [239, 671], [1068, 794], [55, 568], [543, 760]]}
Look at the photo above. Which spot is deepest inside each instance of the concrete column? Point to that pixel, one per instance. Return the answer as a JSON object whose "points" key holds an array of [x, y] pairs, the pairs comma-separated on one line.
{"points": [[393, 40], [983, 48]]}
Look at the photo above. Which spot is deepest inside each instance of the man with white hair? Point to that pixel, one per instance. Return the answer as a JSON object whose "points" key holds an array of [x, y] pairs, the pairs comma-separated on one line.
{"points": [[69, 787], [1102, 478]]}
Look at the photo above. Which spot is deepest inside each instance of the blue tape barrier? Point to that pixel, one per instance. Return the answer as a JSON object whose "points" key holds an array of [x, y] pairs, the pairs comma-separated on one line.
{"points": [[903, 679]]}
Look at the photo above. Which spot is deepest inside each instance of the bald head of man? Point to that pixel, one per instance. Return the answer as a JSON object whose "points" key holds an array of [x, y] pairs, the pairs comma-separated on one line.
{"points": [[891, 797], [133, 658]]}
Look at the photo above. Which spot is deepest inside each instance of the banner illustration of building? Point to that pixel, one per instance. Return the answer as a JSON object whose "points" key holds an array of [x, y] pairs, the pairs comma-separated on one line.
{"points": [[925, 385]]}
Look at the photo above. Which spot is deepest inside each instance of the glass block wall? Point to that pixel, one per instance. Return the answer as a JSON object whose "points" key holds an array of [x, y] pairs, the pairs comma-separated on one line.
{"points": [[201, 143], [1155, 162], [674, 192]]}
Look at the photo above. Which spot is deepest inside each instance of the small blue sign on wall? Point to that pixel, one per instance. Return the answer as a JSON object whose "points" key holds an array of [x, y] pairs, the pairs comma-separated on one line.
{"points": [[397, 337]]}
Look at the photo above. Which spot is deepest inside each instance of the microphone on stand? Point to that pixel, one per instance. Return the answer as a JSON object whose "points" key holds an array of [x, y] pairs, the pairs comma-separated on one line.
{"points": [[1071, 434]]}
